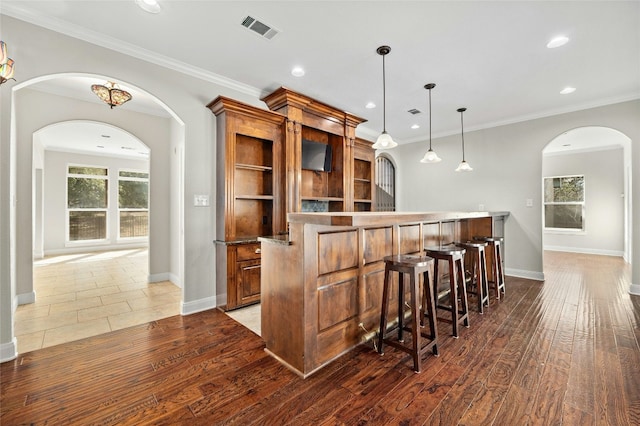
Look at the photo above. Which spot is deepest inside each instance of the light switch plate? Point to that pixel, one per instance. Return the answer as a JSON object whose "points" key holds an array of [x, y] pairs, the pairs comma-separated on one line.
{"points": [[201, 200]]}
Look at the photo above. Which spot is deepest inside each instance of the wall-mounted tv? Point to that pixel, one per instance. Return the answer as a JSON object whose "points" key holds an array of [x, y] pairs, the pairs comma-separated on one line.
{"points": [[316, 156]]}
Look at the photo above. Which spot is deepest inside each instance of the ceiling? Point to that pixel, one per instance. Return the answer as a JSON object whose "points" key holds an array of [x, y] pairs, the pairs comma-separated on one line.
{"points": [[490, 57]]}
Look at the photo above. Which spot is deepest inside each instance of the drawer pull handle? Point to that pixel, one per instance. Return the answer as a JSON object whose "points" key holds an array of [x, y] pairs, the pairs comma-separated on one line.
{"points": [[258, 251]]}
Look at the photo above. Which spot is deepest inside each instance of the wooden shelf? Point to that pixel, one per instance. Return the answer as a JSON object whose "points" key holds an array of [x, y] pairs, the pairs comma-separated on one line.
{"points": [[322, 199], [254, 197], [254, 167]]}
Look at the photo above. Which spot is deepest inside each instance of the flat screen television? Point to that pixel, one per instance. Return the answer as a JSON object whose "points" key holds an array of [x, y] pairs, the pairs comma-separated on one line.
{"points": [[316, 156]]}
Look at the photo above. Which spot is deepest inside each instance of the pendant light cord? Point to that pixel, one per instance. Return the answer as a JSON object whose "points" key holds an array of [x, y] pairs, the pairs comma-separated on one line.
{"points": [[462, 126], [429, 119], [384, 98]]}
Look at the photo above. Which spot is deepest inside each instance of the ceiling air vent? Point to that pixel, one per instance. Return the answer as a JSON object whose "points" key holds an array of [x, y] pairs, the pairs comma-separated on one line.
{"points": [[261, 28], [414, 111]]}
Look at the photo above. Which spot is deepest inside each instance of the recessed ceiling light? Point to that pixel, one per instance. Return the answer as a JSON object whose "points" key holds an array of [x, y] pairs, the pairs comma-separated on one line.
{"points": [[297, 71], [151, 6], [100, 146], [105, 136], [370, 105], [557, 42], [415, 126], [567, 90]]}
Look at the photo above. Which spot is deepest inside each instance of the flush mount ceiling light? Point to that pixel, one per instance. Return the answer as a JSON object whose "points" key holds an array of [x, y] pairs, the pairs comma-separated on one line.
{"points": [[6, 64], [463, 166], [384, 141], [557, 42], [297, 72], [430, 156], [370, 105], [567, 90], [151, 6], [111, 94]]}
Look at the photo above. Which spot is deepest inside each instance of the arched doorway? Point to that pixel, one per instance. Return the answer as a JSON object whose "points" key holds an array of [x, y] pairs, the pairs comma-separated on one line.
{"points": [[599, 158], [62, 98]]}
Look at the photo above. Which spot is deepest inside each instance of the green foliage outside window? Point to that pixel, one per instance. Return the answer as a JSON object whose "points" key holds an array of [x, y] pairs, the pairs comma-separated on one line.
{"points": [[564, 202]]}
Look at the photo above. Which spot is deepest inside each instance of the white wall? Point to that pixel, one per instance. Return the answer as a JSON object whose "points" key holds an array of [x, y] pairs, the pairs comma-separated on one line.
{"points": [[604, 205], [55, 196], [507, 162]]}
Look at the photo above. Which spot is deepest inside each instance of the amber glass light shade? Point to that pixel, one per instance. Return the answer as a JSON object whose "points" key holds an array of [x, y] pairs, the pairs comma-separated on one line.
{"points": [[111, 94], [7, 67]]}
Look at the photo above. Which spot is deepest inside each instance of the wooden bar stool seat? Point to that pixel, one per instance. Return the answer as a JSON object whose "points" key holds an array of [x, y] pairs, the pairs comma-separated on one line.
{"points": [[413, 265], [497, 272], [459, 306]]}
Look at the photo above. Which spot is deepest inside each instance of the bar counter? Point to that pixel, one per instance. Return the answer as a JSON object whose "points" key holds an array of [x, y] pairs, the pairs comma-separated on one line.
{"points": [[321, 288]]}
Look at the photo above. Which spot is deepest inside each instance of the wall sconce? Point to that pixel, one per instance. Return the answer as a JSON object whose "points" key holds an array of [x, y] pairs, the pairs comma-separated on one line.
{"points": [[6, 64]]}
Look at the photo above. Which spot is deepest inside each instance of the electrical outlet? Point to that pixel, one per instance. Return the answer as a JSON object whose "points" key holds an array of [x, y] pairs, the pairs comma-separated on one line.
{"points": [[529, 202]]}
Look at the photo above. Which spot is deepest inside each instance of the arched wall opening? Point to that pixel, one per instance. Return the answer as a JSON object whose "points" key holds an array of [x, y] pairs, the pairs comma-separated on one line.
{"points": [[602, 157], [162, 132]]}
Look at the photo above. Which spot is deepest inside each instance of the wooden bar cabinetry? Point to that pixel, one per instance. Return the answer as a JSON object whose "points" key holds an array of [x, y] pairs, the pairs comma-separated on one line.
{"points": [[322, 288], [250, 192], [260, 178]]}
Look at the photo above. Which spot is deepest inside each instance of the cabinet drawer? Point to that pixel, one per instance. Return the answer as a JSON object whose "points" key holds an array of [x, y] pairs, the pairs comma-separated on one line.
{"points": [[248, 252]]}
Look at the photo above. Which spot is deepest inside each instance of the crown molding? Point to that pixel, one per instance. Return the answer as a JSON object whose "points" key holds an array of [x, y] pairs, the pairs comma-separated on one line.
{"points": [[75, 31]]}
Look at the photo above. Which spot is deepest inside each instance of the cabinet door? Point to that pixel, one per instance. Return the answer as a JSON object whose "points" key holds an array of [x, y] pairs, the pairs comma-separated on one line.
{"points": [[248, 281]]}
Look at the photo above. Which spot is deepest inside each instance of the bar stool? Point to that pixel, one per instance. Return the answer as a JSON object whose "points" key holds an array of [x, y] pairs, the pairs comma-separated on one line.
{"points": [[478, 277], [457, 286], [496, 264], [412, 265]]}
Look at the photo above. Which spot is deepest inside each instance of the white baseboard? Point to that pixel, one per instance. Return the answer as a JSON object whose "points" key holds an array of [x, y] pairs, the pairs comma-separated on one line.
{"points": [[25, 298], [9, 351], [175, 279], [205, 304], [156, 278], [520, 273], [634, 289], [616, 253]]}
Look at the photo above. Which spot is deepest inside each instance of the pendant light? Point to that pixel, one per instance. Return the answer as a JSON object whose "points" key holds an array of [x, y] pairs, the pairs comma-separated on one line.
{"points": [[384, 141], [430, 156], [463, 166]]}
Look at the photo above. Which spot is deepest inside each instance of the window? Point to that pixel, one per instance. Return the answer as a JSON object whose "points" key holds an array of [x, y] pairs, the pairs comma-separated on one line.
{"points": [[133, 204], [87, 202], [564, 203], [385, 185]]}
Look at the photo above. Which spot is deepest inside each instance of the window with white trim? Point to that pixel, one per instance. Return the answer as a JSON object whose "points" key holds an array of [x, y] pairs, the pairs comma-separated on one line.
{"points": [[87, 203], [564, 203], [133, 204]]}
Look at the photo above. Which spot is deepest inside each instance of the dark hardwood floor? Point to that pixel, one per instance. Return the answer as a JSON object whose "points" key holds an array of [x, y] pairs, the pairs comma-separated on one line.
{"points": [[563, 351]]}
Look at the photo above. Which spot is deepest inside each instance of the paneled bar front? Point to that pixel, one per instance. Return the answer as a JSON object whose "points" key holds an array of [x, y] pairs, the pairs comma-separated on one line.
{"points": [[322, 283]]}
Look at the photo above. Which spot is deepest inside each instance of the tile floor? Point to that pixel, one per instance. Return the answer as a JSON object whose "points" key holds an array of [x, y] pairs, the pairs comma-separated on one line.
{"points": [[82, 295], [249, 317]]}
